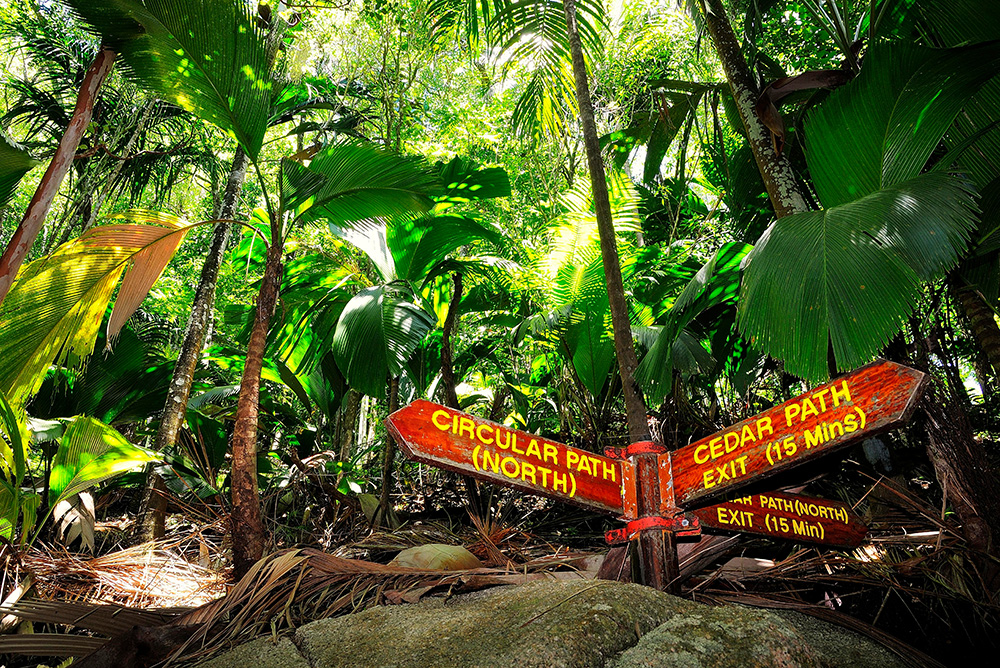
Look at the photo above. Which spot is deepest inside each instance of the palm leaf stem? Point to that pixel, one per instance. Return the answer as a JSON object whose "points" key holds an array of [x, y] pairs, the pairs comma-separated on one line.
{"points": [[41, 202]]}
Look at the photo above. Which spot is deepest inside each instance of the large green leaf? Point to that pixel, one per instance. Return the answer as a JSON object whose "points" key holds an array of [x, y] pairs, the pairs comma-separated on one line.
{"points": [[417, 245], [378, 331], [592, 350], [55, 307], [209, 57], [89, 453], [354, 181], [15, 162], [717, 282], [851, 274], [880, 129], [466, 181]]}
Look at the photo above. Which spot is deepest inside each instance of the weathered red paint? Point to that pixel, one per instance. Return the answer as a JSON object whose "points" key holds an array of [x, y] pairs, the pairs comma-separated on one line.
{"points": [[872, 399], [803, 519], [448, 439]]}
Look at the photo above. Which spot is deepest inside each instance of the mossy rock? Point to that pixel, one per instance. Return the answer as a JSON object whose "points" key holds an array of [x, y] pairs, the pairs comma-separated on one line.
{"points": [[570, 624]]}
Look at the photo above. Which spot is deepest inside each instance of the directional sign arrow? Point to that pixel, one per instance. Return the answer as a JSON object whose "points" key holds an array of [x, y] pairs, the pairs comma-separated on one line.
{"points": [[870, 400], [803, 519], [446, 438]]}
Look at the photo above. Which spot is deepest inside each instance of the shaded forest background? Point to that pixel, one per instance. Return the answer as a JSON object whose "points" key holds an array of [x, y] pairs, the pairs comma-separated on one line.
{"points": [[276, 224]]}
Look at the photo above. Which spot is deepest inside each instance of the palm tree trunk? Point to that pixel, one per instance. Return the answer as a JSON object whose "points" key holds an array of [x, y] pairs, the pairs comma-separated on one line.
{"points": [[384, 516], [635, 405], [982, 323], [447, 366], [245, 520], [779, 178], [38, 208], [657, 549], [175, 408]]}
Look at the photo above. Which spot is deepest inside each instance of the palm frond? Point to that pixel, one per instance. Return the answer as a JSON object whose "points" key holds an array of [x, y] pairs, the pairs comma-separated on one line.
{"points": [[857, 268], [55, 307], [353, 181], [15, 162], [209, 57], [880, 129]]}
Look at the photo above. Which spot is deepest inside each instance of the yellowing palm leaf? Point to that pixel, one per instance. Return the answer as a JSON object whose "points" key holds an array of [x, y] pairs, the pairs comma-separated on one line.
{"points": [[55, 307]]}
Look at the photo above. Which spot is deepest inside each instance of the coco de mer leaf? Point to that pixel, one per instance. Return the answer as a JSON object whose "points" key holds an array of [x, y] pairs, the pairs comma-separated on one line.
{"points": [[55, 307], [850, 275]]}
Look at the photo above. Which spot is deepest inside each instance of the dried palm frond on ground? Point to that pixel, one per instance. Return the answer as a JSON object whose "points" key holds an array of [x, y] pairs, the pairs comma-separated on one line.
{"points": [[297, 586], [916, 579], [151, 575]]}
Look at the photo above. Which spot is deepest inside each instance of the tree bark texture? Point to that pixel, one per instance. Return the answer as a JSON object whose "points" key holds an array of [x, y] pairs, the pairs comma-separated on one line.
{"points": [[779, 178], [963, 470], [447, 354], [384, 516], [175, 408], [245, 520], [41, 202], [635, 405], [982, 323]]}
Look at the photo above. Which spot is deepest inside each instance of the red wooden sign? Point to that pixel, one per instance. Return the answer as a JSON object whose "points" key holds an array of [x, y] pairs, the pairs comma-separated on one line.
{"points": [[802, 519], [446, 438], [873, 399]]}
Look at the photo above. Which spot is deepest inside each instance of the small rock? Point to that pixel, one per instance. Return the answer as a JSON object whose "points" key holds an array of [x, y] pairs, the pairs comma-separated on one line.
{"points": [[437, 557]]}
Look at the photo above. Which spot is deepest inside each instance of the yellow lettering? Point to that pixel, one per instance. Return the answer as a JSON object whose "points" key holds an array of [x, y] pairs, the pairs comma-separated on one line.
{"points": [[533, 450], [703, 448], [491, 461], [850, 423], [545, 475], [762, 424], [557, 482], [584, 465], [528, 470], [819, 395], [836, 426], [609, 470], [513, 447], [722, 512], [715, 447], [506, 444], [467, 425], [572, 457], [791, 412], [550, 451], [709, 479], [434, 419], [479, 433], [747, 434], [730, 446], [814, 437], [503, 467], [838, 396], [808, 408]]}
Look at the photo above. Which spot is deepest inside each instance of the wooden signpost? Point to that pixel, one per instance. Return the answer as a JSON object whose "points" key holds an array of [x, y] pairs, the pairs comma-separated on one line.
{"points": [[872, 399]]}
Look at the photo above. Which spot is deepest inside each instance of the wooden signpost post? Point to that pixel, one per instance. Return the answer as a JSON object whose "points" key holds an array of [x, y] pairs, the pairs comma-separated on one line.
{"points": [[872, 399]]}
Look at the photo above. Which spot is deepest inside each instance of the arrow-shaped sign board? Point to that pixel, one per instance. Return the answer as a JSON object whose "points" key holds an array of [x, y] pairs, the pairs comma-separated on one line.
{"points": [[446, 438], [802, 519], [870, 400]]}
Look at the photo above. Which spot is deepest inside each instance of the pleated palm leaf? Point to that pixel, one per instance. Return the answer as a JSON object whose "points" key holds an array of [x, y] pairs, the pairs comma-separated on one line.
{"points": [[849, 275], [55, 308], [209, 58], [15, 162], [534, 32]]}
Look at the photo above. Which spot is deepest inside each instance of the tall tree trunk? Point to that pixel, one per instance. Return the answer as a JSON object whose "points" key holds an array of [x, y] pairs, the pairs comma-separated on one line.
{"points": [[982, 323], [384, 516], [245, 521], [657, 549], [635, 405], [961, 466], [776, 170], [347, 425], [447, 367], [449, 382], [34, 217], [175, 408]]}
